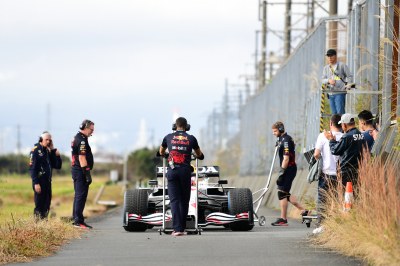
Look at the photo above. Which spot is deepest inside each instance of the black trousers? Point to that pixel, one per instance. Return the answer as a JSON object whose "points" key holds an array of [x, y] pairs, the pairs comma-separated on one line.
{"points": [[42, 200], [81, 188], [179, 186], [350, 175]]}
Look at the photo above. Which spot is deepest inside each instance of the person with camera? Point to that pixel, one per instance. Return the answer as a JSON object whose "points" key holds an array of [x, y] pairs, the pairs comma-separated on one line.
{"points": [[336, 77], [287, 173], [81, 165], [43, 159], [180, 145]]}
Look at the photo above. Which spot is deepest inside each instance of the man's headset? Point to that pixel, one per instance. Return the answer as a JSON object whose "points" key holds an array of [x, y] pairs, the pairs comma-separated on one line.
{"points": [[182, 121], [85, 124], [280, 127], [42, 135], [174, 127]]}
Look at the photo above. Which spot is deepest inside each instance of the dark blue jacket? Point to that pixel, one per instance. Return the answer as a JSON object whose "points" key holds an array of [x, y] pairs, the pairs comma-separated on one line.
{"points": [[180, 146], [349, 148], [41, 163]]}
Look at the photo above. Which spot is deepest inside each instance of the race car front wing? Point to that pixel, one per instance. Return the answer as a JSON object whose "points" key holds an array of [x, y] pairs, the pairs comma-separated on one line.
{"points": [[215, 218], [153, 219], [220, 218]]}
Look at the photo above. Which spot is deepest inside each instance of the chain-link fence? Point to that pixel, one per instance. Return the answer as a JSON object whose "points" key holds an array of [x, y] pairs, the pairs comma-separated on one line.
{"points": [[294, 94]]}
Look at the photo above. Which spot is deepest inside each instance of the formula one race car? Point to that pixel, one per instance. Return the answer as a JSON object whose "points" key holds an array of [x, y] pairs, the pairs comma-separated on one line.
{"points": [[213, 204]]}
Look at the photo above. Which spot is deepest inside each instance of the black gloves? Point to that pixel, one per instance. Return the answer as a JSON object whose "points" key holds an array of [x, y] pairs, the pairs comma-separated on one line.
{"points": [[88, 178], [281, 174], [158, 154], [86, 175]]}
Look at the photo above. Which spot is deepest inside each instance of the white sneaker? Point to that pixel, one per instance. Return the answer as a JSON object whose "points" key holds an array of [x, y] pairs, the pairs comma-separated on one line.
{"points": [[318, 230]]}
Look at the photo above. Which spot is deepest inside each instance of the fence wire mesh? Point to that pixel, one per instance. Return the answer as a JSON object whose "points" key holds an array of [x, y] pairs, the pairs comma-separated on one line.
{"points": [[293, 96]]}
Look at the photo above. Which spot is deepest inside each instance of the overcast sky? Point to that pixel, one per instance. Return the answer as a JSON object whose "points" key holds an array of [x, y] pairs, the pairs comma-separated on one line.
{"points": [[118, 62]]}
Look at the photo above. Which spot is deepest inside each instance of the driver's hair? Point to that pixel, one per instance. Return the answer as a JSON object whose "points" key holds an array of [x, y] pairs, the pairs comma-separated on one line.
{"points": [[181, 122]]}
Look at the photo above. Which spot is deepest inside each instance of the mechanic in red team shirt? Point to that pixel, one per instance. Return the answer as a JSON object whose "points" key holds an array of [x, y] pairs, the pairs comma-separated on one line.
{"points": [[287, 173], [180, 146]]}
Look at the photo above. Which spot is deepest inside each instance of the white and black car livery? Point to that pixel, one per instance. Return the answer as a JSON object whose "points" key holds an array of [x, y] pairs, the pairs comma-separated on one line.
{"points": [[218, 205]]}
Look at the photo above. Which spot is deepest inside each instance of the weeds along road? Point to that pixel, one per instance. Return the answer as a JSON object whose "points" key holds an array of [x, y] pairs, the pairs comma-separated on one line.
{"points": [[110, 244]]}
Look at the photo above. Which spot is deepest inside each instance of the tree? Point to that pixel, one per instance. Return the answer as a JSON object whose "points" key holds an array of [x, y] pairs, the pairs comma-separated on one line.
{"points": [[141, 165]]}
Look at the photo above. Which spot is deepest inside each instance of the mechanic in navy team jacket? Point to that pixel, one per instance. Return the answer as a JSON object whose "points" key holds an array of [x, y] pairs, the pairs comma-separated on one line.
{"points": [[43, 158], [349, 149], [81, 165], [180, 146]]}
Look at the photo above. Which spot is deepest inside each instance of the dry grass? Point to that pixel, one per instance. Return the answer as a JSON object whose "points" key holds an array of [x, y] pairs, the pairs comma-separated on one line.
{"points": [[371, 229], [23, 240]]}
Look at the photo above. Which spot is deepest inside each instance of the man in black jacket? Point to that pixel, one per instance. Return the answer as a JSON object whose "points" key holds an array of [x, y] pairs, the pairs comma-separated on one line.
{"points": [[349, 148], [43, 158]]}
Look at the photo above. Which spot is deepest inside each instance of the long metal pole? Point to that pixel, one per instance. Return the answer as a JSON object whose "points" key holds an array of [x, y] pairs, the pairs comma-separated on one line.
{"points": [[261, 197], [18, 148], [163, 185], [388, 63], [264, 46], [288, 22], [395, 63], [256, 62], [196, 218], [333, 9]]}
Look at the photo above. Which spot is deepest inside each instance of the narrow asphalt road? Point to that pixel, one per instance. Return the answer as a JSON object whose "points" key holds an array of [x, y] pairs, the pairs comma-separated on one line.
{"points": [[109, 244]]}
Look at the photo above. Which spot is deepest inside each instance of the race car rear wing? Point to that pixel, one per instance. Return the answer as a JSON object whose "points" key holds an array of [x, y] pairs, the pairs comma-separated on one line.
{"points": [[204, 171]]}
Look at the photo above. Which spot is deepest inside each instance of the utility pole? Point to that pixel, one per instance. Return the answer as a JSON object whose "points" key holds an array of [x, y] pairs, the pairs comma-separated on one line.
{"points": [[225, 113], [395, 61], [18, 148], [256, 74], [310, 15], [349, 6], [264, 46], [288, 22], [333, 11], [48, 114]]}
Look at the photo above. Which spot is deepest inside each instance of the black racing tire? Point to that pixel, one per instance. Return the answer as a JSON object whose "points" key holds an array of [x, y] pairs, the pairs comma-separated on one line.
{"points": [[135, 201], [241, 200]]}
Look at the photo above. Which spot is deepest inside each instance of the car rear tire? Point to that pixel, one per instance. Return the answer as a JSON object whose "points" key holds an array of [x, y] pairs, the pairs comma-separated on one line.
{"points": [[135, 201], [241, 200]]}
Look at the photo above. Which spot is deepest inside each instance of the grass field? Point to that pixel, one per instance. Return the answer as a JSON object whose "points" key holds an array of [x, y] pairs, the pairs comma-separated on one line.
{"points": [[16, 196], [21, 237]]}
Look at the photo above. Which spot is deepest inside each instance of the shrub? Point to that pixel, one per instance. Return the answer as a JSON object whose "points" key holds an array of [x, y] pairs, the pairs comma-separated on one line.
{"points": [[22, 240], [371, 229]]}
